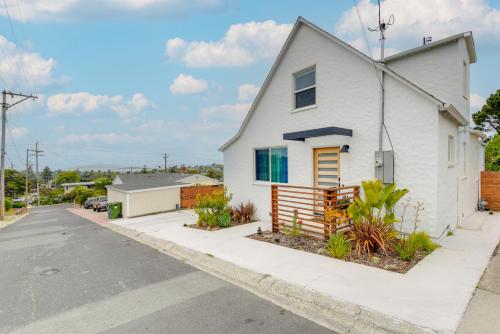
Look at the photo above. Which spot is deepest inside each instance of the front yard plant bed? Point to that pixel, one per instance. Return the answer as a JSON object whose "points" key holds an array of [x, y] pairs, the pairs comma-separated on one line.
{"points": [[389, 261], [215, 228]]}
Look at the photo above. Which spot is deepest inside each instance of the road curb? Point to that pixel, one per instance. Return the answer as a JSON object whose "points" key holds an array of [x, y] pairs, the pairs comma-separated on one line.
{"points": [[339, 316], [10, 222]]}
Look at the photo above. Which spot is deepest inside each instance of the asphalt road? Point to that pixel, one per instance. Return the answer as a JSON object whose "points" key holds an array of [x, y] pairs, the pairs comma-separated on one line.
{"points": [[60, 273]]}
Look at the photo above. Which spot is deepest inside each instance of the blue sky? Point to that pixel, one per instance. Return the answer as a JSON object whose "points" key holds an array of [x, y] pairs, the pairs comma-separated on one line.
{"points": [[122, 82]]}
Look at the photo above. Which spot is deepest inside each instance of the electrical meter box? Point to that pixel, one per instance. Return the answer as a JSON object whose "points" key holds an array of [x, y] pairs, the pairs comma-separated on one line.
{"points": [[384, 166]]}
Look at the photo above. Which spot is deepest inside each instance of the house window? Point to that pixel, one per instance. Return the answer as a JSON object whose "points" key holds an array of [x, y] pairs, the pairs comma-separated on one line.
{"points": [[305, 88], [465, 159], [451, 151], [271, 164], [465, 80]]}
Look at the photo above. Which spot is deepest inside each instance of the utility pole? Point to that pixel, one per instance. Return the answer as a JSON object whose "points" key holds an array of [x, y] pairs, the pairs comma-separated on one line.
{"points": [[27, 178], [5, 107], [37, 154], [165, 157], [382, 27]]}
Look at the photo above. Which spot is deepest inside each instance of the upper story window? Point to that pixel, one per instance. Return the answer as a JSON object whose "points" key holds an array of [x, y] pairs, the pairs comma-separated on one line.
{"points": [[305, 88], [465, 80], [451, 151]]}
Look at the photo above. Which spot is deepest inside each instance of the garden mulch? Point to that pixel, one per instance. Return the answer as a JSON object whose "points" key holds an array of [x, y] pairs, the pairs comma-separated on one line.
{"points": [[389, 261]]}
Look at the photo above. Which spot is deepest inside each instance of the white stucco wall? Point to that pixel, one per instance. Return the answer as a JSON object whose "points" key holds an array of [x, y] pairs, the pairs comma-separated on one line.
{"points": [[118, 196], [153, 201], [440, 71], [348, 97]]}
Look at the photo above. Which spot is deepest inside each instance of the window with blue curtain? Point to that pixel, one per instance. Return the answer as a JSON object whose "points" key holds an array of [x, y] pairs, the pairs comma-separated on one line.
{"points": [[262, 165], [271, 164], [279, 164]]}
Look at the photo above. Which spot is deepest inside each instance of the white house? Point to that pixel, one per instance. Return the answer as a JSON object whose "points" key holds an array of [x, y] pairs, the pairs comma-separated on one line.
{"points": [[321, 94], [72, 185]]}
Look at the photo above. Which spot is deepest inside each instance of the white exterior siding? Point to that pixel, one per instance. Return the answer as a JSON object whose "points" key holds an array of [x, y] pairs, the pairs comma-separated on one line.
{"points": [[348, 97], [153, 201], [438, 70], [118, 196]]}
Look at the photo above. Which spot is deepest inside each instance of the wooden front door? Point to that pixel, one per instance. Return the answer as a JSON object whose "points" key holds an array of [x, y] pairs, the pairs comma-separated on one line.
{"points": [[326, 167]]}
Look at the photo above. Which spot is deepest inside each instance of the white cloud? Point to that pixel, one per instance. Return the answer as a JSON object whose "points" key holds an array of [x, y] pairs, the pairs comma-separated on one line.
{"points": [[243, 44], [18, 133], [21, 69], [107, 138], [133, 107], [229, 112], [60, 10], [476, 102], [247, 92], [186, 84], [415, 19], [75, 102], [87, 102]]}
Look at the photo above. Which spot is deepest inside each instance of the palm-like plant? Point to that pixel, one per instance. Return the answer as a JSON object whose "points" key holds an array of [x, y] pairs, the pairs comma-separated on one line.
{"points": [[373, 216]]}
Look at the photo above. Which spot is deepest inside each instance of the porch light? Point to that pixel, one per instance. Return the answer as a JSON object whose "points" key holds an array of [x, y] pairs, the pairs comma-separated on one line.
{"points": [[344, 149]]}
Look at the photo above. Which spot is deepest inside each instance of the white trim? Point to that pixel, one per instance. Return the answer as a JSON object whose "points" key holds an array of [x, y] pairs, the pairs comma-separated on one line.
{"points": [[300, 21]]}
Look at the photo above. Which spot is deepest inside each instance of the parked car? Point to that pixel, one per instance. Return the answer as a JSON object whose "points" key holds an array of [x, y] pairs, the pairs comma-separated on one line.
{"points": [[89, 202], [101, 204]]}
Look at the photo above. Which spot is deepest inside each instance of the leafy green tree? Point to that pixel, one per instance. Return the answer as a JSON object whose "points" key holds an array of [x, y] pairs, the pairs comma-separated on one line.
{"points": [[15, 183], [488, 118], [492, 154], [46, 174], [67, 177], [100, 185], [82, 193]]}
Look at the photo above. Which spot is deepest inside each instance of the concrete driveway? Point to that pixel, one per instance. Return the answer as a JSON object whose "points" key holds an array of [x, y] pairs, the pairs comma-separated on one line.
{"points": [[61, 273]]}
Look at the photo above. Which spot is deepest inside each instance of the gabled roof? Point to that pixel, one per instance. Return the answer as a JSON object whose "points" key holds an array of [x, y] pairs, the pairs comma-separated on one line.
{"points": [[139, 181], [469, 40], [301, 21]]}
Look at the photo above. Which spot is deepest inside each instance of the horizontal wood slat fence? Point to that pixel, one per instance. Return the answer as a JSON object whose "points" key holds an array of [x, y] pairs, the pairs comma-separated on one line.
{"points": [[188, 194], [310, 204], [490, 189]]}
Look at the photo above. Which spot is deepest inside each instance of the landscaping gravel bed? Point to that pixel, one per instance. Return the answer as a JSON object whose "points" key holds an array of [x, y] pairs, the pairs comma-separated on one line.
{"points": [[389, 261]]}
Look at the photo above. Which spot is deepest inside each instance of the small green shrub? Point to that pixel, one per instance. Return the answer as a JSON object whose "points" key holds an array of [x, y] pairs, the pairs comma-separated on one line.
{"points": [[213, 209], [18, 205], [8, 203], [224, 220], [296, 229], [424, 241], [450, 233], [373, 217], [338, 246], [406, 248]]}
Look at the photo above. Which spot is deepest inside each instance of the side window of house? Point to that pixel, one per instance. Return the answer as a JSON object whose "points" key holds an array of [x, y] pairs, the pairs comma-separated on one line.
{"points": [[305, 88], [451, 151], [465, 80], [271, 164]]}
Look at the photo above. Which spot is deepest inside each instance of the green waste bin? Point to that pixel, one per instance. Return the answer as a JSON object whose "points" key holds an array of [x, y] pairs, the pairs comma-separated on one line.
{"points": [[114, 210]]}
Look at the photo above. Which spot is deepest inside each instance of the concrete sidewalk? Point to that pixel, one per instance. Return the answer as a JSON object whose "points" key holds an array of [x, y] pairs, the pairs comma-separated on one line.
{"points": [[482, 315], [433, 295]]}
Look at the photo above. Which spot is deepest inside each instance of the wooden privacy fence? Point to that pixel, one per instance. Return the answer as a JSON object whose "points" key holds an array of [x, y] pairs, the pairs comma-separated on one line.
{"points": [[490, 189], [320, 211], [188, 194]]}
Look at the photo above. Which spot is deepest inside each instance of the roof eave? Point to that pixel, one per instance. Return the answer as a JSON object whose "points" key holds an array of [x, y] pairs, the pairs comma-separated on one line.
{"points": [[469, 40], [451, 111]]}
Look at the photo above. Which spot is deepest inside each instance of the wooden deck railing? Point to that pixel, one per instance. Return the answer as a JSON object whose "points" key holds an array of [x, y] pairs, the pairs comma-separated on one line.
{"points": [[320, 211]]}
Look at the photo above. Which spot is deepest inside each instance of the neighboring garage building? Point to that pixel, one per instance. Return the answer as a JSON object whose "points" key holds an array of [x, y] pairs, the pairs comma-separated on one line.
{"points": [[143, 194]]}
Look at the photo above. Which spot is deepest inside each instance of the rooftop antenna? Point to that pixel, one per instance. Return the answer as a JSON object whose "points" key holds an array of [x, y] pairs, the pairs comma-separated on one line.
{"points": [[382, 27]]}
